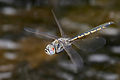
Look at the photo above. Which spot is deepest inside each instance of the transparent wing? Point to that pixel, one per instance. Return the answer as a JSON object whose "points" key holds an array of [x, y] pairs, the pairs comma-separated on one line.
{"points": [[57, 22], [90, 44], [74, 56], [40, 33]]}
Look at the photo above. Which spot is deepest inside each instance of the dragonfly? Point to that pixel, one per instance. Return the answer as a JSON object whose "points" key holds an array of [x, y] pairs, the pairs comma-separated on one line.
{"points": [[65, 43]]}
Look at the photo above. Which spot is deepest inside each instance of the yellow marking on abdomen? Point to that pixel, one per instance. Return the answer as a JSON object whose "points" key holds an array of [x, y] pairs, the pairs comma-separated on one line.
{"points": [[81, 36], [75, 38], [103, 27], [98, 28], [92, 31], [87, 33]]}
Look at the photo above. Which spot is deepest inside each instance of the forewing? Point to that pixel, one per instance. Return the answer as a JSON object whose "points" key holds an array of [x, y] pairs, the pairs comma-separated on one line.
{"points": [[90, 44], [74, 56], [58, 24], [40, 33]]}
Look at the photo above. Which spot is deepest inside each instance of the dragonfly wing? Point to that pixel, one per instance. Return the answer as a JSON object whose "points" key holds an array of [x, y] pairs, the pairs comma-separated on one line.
{"points": [[40, 33], [58, 24], [90, 44], [74, 56]]}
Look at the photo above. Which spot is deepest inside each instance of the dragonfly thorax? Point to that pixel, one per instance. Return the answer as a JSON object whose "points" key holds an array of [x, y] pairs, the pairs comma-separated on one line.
{"points": [[57, 46]]}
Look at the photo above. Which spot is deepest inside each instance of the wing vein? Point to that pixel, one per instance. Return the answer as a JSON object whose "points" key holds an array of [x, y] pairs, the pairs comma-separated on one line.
{"points": [[40, 33], [58, 24]]}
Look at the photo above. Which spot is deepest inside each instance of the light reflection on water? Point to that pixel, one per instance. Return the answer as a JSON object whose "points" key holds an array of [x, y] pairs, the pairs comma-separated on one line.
{"points": [[5, 75], [8, 11], [115, 49], [30, 49], [98, 58], [9, 44]]}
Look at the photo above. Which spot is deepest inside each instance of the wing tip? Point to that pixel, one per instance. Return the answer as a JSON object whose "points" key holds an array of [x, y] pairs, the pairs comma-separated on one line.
{"points": [[25, 29], [29, 29]]}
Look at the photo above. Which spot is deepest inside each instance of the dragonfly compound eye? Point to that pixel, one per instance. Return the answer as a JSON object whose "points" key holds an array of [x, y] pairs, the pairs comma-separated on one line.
{"points": [[50, 50]]}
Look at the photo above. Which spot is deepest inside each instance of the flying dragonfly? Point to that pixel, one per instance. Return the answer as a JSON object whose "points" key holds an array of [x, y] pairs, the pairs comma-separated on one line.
{"points": [[65, 43]]}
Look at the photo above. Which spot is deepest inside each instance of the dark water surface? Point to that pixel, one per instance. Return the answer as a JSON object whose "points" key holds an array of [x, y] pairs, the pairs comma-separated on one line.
{"points": [[22, 55]]}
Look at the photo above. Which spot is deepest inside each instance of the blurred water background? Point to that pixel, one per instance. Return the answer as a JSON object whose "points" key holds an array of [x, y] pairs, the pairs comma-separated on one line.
{"points": [[22, 55]]}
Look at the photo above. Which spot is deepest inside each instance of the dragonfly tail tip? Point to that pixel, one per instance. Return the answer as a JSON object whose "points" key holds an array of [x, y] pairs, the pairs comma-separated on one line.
{"points": [[111, 22]]}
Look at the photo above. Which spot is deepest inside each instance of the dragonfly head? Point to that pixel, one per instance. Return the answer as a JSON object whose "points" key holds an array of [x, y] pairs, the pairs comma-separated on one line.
{"points": [[50, 50]]}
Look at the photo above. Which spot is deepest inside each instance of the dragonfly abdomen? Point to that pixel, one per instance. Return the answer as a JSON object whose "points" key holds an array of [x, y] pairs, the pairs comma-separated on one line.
{"points": [[98, 28]]}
